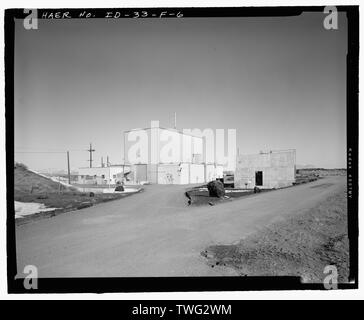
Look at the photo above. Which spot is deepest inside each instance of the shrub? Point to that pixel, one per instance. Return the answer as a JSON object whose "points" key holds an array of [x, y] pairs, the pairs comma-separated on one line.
{"points": [[216, 189], [20, 165]]}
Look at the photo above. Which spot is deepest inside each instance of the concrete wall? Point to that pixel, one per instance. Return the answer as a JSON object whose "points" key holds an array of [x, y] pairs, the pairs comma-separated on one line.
{"points": [[219, 171], [152, 173], [278, 168], [184, 173], [210, 172], [197, 173], [140, 173], [213, 172], [168, 174], [173, 174]]}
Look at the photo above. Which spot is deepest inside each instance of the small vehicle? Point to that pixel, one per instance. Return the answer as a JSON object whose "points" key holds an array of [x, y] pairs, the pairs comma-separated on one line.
{"points": [[228, 179], [119, 188]]}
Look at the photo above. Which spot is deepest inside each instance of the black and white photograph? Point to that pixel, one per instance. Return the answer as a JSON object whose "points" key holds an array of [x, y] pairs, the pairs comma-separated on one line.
{"points": [[193, 149]]}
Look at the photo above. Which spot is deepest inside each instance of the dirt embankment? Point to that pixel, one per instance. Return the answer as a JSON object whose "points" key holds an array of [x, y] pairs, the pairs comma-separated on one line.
{"points": [[32, 187], [27, 182], [299, 246], [321, 172]]}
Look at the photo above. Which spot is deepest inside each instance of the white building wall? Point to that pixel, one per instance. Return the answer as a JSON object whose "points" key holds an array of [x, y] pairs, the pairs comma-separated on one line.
{"points": [[168, 174], [197, 173], [185, 173], [219, 171], [183, 165], [152, 173], [173, 174], [101, 175], [210, 172]]}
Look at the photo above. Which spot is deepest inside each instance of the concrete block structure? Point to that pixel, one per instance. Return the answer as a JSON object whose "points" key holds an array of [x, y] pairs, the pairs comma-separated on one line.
{"points": [[266, 170]]}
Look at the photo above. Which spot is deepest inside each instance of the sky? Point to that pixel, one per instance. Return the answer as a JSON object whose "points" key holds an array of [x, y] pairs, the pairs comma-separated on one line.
{"points": [[279, 81]]}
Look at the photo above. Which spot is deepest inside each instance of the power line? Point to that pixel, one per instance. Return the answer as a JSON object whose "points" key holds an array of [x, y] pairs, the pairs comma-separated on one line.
{"points": [[65, 151], [40, 151]]}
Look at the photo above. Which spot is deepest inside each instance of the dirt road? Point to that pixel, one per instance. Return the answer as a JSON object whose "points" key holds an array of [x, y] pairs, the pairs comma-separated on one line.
{"points": [[153, 233]]}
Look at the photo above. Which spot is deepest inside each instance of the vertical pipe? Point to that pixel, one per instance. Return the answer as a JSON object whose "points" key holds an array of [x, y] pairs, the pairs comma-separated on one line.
{"points": [[68, 167]]}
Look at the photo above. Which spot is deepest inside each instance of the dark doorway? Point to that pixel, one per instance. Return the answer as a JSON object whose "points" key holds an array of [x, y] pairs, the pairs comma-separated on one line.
{"points": [[258, 178]]}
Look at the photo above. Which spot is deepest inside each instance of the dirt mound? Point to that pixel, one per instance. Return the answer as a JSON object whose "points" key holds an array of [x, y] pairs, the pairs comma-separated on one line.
{"points": [[321, 172], [299, 246]]}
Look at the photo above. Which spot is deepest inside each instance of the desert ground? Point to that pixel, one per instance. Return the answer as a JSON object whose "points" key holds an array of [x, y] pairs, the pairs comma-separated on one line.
{"points": [[154, 233]]}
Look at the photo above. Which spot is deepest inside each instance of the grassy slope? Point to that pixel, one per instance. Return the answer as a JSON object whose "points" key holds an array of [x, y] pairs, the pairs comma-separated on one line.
{"points": [[31, 187], [27, 182]]}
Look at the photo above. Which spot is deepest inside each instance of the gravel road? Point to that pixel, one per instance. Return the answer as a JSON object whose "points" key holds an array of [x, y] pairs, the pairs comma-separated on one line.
{"points": [[154, 233]]}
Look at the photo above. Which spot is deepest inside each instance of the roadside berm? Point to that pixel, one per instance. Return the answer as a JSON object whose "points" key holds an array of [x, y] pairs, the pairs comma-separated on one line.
{"points": [[301, 245]]}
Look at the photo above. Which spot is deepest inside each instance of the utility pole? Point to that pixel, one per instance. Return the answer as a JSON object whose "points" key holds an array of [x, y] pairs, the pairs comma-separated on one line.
{"points": [[68, 166], [175, 120], [124, 149], [59, 185], [109, 178], [90, 151]]}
